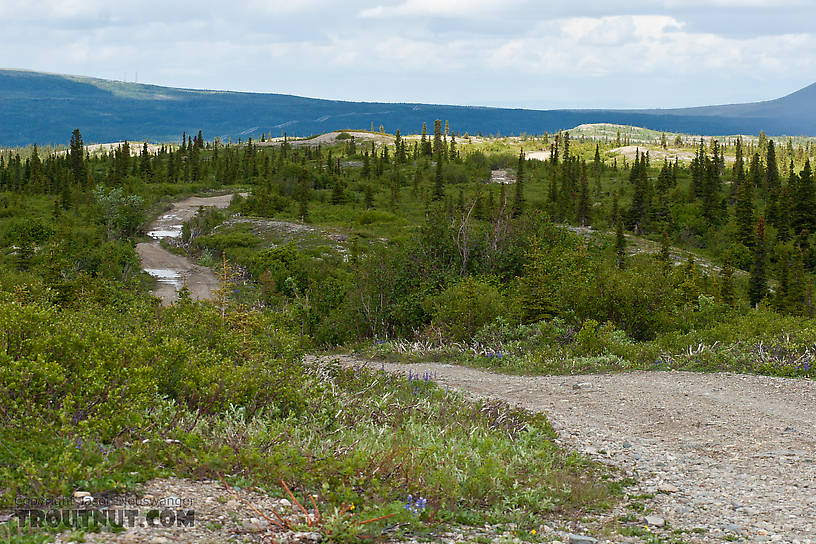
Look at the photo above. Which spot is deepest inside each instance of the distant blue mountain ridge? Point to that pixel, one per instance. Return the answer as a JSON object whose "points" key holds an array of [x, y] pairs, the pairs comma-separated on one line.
{"points": [[44, 108]]}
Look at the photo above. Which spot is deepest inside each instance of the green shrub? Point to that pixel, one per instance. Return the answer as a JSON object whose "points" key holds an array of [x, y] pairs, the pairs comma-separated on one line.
{"points": [[465, 307], [265, 203], [597, 339], [369, 217]]}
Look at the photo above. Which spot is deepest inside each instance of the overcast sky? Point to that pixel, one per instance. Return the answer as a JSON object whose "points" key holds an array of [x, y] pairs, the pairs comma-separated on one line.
{"points": [[525, 53]]}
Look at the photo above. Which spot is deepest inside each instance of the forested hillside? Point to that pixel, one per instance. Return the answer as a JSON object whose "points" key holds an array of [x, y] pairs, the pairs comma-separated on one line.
{"points": [[41, 108]]}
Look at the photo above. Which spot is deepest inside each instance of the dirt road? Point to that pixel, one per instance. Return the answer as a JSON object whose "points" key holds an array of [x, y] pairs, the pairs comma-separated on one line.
{"points": [[733, 456], [173, 270]]}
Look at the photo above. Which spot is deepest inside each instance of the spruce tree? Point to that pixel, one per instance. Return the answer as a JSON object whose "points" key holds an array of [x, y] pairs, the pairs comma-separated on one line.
{"points": [[797, 285], [399, 148], [744, 207], [758, 282], [518, 201], [756, 173], [771, 168], [738, 171], [803, 243], [620, 244], [76, 154], [597, 160], [783, 262], [566, 148], [437, 139], [615, 213], [439, 181], [665, 253], [369, 196], [711, 191], [338, 195], [479, 207], [596, 166], [727, 283], [424, 143], [583, 207], [145, 169], [552, 198], [784, 207], [804, 211], [639, 210], [35, 175], [698, 172]]}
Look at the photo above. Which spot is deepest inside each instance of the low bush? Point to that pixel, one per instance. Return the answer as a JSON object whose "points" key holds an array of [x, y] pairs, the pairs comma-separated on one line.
{"points": [[101, 399]]}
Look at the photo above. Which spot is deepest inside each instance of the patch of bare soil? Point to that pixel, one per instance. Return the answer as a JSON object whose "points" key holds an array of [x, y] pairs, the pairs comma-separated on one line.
{"points": [[538, 155], [218, 515], [135, 148], [629, 151], [330, 138], [727, 456], [501, 176]]}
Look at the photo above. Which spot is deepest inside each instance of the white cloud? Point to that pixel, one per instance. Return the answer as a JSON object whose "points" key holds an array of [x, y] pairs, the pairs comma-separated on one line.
{"points": [[278, 7], [610, 31], [775, 4], [464, 51], [647, 44], [439, 8]]}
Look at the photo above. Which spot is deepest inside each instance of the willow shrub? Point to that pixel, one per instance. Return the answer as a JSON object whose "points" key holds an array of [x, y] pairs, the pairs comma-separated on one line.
{"points": [[96, 371]]}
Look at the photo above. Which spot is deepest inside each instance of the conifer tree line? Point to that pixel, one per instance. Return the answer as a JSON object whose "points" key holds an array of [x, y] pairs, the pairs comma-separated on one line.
{"points": [[752, 207]]}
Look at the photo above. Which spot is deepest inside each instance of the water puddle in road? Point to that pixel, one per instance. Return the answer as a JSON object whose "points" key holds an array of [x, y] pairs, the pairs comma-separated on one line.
{"points": [[165, 230], [166, 276], [170, 231], [157, 261]]}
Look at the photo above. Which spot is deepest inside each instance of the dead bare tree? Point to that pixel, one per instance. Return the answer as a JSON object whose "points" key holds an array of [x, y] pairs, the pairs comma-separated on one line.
{"points": [[462, 238]]}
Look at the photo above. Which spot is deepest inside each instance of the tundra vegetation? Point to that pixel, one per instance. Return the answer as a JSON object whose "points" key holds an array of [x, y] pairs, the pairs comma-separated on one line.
{"points": [[399, 247]]}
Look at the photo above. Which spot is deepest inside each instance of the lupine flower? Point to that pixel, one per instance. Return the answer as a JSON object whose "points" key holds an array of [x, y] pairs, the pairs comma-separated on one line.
{"points": [[415, 506]]}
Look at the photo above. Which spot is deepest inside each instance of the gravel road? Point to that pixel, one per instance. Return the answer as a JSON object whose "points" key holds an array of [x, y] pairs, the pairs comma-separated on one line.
{"points": [[727, 454], [172, 270]]}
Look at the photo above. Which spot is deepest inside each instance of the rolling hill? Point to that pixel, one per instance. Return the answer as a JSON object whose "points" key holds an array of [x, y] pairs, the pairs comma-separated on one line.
{"points": [[45, 108]]}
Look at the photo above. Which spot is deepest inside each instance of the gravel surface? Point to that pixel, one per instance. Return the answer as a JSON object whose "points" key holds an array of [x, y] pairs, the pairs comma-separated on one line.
{"points": [[728, 455], [218, 516]]}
